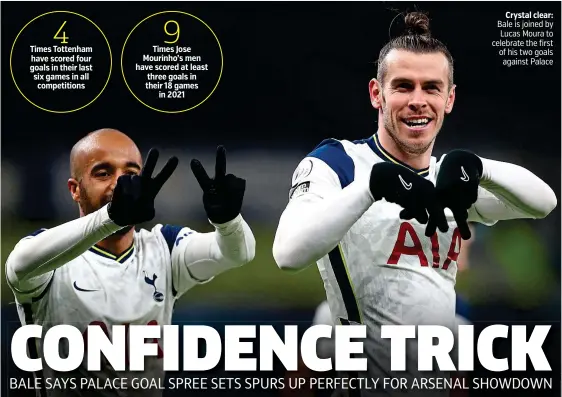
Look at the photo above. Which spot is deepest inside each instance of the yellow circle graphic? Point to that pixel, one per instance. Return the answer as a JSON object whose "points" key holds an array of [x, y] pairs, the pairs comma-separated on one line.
{"points": [[172, 111], [110, 62]]}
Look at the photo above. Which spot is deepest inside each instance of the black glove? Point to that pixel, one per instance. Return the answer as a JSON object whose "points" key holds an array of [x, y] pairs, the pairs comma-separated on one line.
{"points": [[223, 194], [457, 187], [133, 197], [396, 184]]}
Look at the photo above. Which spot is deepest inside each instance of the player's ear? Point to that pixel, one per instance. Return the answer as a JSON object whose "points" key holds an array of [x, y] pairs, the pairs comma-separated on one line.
{"points": [[375, 92], [450, 100], [74, 188]]}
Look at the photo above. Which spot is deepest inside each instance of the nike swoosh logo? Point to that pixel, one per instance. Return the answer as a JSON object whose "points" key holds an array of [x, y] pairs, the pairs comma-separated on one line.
{"points": [[464, 176], [84, 290], [407, 186]]}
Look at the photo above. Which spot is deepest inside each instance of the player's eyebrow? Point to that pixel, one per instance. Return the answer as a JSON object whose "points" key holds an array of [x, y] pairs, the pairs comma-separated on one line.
{"points": [[401, 80], [132, 164], [100, 166], [434, 82], [107, 165]]}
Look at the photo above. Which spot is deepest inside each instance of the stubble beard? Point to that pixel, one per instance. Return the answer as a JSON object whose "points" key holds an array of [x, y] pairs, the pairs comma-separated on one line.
{"points": [[392, 129], [86, 203]]}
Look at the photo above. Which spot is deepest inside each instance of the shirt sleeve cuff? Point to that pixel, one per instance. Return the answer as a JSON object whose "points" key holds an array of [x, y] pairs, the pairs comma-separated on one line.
{"points": [[228, 227]]}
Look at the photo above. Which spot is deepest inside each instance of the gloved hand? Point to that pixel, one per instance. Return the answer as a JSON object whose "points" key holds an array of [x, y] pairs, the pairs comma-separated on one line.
{"points": [[133, 196], [457, 187], [397, 184], [223, 194]]}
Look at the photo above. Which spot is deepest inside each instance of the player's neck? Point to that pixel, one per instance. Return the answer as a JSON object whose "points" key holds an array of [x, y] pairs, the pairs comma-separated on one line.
{"points": [[117, 244], [416, 161]]}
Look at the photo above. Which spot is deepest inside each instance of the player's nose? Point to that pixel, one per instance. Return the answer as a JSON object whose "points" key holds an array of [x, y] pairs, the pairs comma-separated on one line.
{"points": [[417, 99], [114, 180]]}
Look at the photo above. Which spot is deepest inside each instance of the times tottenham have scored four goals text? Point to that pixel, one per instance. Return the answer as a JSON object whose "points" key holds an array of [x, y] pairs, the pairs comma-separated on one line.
{"points": [[348, 342]]}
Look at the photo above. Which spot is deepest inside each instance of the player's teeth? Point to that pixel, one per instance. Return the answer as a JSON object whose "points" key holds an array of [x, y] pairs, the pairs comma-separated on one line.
{"points": [[417, 122]]}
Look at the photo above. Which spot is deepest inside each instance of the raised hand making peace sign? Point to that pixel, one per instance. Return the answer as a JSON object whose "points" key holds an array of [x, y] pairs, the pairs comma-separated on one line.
{"points": [[133, 197], [223, 194]]}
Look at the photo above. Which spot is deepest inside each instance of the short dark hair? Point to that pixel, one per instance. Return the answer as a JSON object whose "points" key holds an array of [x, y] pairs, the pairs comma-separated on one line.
{"points": [[415, 38]]}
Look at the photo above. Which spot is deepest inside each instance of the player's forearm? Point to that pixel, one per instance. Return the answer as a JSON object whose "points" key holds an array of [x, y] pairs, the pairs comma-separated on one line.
{"points": [[57, 246], [308, 231], [231, 245], [523, 194]]}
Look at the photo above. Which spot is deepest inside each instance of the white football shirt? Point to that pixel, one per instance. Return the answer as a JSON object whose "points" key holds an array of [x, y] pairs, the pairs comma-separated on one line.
{"points": [[384, 270], [139, 286]]}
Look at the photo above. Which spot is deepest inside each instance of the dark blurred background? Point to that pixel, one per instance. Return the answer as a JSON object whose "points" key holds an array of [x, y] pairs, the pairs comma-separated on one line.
{"points": [[295, 74]]}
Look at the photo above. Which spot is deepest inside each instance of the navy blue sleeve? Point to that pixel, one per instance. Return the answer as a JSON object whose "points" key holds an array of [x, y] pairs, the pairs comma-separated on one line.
{"points": [[463, 308], [332, 152], [35, 233], [170, 233]]}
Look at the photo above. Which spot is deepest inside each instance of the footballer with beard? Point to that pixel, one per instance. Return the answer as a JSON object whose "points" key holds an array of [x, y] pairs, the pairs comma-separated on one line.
{"points": [[384, 219]]}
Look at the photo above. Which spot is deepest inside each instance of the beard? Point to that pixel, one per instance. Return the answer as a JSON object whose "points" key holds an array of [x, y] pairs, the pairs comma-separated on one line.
{"points": [[392, 128], [406, 147], [89, 206]]}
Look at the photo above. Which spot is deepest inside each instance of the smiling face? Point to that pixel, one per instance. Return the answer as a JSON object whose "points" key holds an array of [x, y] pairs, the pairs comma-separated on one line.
{"points": [[413, 98]]}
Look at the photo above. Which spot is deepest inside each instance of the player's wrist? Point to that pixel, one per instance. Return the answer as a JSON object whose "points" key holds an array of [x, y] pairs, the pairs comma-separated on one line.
{"points": [[477, 162], [106, 219], [486, 170], [365, 189], [373, 183], [113, 215], [105, 212], [228, 227]]}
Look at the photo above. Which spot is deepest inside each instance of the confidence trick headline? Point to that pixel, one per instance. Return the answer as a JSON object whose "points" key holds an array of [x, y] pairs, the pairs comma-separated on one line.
{"points": [[129, 345]]}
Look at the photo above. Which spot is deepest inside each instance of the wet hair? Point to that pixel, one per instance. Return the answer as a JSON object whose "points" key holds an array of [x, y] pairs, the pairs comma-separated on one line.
{"points": [[416, 38]]}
